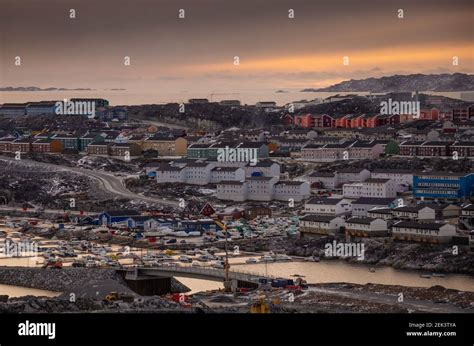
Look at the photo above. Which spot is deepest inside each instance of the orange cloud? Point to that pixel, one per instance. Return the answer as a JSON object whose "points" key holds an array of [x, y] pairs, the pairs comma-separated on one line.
{"points": [[410, 58]]}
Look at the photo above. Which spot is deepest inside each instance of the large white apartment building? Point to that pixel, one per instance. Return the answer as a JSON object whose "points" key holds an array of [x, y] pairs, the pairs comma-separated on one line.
{"points": [[170, 174], [361, 150], [325, 180], [198, 173], [332, 180], [266, 168], [260, 188], [326, 153], [379, 188], [219, 174], [351, 175], [295, 190], [232, 190], [349, 150], [402, 178]]}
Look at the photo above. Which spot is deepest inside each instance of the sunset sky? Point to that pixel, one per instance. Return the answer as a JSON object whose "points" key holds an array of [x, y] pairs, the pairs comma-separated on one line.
{"points": [[197, 53]]}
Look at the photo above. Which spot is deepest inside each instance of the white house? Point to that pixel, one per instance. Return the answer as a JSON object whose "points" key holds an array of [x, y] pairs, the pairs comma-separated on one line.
{"points": [[423, 232], [420, 212], [328, 206], [362, 205], [299, 134], [467, 212], [326, 153], [286, 190], [379, 188], [361, 150], [380, 213], [150, 224], [327, 180], [349, 175], [366, 227], [402, 178], [310, 225]]}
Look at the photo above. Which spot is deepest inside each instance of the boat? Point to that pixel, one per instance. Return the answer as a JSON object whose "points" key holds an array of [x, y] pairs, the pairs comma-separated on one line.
{"points": [[438, 275], [425, 276], [184, 259], [212, 250], [206, 257], [218, 265], [266, 258], [282, 257], [251, 261]]}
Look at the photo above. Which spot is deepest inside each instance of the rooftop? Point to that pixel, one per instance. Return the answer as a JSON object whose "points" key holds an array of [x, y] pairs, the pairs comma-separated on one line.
{"points": [[318, 218], [360, 220], [374, 201], [413, 224]]}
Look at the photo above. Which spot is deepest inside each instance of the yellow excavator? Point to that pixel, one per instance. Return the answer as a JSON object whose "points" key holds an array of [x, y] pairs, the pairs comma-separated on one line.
{"points": [[227, 282], [115, 296], [260, 307]]}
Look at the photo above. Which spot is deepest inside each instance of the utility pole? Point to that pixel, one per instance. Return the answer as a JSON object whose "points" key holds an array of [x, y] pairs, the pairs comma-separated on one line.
{"points": [[227, 282]]}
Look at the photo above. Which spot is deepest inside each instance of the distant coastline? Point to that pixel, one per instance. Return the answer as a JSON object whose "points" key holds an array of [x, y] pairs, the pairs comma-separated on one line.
{"points": [[33, 88]]}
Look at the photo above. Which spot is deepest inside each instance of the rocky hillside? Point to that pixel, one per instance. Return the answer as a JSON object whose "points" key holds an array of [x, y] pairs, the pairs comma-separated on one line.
{"points": [[400, 83]]}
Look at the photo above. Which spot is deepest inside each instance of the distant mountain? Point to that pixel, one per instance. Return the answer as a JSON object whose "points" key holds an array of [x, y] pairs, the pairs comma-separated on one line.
{"points": [[32, 88], [399, 83]]}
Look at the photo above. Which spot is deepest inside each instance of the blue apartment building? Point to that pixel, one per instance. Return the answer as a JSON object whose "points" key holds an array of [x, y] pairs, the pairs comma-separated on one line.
{"points": [[443, 186]]}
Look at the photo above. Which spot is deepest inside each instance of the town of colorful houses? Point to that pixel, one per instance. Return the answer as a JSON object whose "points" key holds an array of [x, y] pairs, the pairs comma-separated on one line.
{"points": [[434, 206]]}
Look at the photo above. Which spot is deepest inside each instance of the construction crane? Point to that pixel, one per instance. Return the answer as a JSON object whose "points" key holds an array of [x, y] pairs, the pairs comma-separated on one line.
{"points": [[227, 282]]}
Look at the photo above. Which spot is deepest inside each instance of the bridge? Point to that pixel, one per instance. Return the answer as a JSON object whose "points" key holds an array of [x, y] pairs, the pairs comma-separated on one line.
{"points": [[238, 277]]}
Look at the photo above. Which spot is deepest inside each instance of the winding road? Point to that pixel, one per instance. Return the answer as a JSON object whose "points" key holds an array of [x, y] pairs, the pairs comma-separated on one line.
{"points": [[108, 182]]}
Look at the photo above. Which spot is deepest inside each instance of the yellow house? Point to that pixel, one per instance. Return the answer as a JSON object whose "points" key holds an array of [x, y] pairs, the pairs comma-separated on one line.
{"points": [[166, 146]]}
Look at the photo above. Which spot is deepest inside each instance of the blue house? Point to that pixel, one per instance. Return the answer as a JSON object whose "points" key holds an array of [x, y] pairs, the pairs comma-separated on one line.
{"points": [[443, 186], [116, 216], [137, 221]]}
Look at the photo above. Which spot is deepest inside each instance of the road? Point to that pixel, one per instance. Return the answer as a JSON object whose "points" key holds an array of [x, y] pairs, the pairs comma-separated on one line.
{"points": [[158, 123], [391, 299], [108, 182], [4, 208]]}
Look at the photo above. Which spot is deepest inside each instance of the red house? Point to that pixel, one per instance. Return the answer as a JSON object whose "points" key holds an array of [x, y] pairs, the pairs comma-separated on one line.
{"points": [[429, 114], [373, 121], [207, 210], [343, 121], [324, 121], [306, 120]]}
